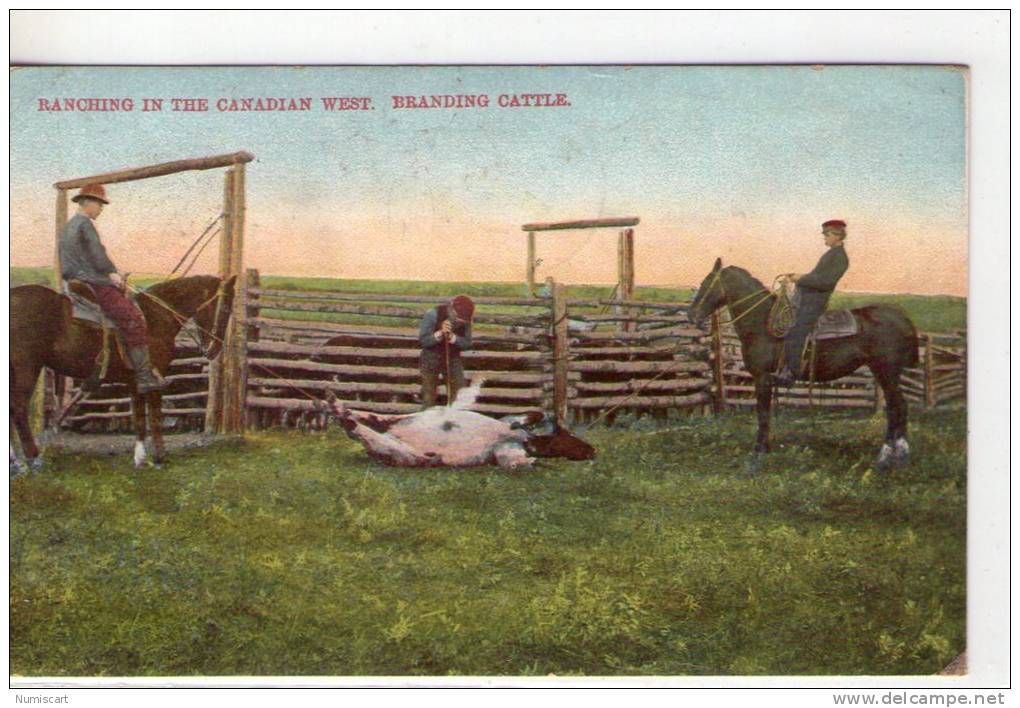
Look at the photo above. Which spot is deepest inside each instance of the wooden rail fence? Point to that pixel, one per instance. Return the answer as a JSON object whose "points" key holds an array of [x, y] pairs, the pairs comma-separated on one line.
{"points": [[581, 359]]}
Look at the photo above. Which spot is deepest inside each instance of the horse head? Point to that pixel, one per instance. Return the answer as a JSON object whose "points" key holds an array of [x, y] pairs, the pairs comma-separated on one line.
{"points": [[213, 315], [546, 438], [710, 296]]}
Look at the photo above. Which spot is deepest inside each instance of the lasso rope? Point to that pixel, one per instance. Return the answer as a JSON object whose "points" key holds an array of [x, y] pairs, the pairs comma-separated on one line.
{"points": [[783, 312], [195, 243]]}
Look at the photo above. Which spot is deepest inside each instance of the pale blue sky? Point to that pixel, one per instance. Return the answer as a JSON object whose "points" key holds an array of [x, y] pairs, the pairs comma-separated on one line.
{"points": [[688, 145]]}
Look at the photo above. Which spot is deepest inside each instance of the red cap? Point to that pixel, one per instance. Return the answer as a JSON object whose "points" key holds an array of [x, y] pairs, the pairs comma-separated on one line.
{"points": [[463, 306], [838, 223], [95, 191]]}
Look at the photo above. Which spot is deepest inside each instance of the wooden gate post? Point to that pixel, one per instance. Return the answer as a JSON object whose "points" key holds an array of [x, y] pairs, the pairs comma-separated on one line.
{"points": [[719, 400], [234, 365], [531, 264], [929, 373], [251, 313], [214, 406], [52, 383], [561, 349]]}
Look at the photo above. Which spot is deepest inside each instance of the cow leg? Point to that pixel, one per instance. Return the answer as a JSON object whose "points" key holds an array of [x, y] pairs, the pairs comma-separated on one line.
{"points": [[387, 448], [138, 420], [377, 422], [512, 455]]}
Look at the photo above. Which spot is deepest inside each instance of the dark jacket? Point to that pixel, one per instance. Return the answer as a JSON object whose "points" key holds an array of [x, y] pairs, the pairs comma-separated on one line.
{"points": [[815, 288], [82, 255], [431, 348], [432, 322]]}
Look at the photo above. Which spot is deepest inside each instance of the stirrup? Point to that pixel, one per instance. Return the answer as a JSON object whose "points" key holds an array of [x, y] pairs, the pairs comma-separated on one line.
{"points": [[784, 378]]}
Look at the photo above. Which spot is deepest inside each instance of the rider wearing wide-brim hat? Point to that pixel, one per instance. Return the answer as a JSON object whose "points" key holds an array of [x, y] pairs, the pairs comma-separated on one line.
{"points": [[83, 257], [813, 292], [444, 333]]}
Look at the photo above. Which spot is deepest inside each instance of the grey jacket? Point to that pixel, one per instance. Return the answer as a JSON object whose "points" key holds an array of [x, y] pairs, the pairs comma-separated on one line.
{"points": [[82, 255]]}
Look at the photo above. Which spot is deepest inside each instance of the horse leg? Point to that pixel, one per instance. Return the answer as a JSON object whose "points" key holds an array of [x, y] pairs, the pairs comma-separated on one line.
{"points": [[763, 394], [895, 448], [23, 379], [138, 418], [155, 400]]}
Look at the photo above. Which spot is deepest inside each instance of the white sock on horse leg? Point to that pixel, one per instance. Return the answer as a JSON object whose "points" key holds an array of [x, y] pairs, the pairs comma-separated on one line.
{"points": [[139, 453]]}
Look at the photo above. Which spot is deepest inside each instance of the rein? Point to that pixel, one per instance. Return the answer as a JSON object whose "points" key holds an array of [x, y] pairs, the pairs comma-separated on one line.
{"points": [[765, 295], [182, 320]]}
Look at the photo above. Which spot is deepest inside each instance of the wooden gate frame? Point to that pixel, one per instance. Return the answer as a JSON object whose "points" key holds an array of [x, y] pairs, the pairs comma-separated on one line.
{"points": [[225, 406], [624, 248]]}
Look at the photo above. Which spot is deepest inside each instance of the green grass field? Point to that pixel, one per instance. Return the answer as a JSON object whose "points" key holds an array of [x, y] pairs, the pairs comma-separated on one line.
{"points": [[931, 313], [292, 554]]}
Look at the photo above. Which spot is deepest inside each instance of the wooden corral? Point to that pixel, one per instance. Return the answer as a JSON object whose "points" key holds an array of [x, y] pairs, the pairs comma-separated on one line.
{"points": [[364, 348]]}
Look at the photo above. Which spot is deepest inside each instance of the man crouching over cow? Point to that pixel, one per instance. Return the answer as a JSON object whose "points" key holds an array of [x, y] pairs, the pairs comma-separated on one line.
{"points": [[444, 333]]}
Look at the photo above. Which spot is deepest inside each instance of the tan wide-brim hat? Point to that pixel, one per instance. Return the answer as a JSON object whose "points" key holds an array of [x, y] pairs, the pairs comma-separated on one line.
{"points": [[93, 191]]}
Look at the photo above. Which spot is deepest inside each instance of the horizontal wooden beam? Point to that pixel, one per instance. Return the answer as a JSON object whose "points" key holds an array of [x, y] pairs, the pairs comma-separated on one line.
{"points": [[267, 325], [391, 311], [805, 402], [374, 353], [635, 401], [262, 365], [160, 170], [297, 404], [638, 367], [349, 387], [582, 224], [330, 295]]}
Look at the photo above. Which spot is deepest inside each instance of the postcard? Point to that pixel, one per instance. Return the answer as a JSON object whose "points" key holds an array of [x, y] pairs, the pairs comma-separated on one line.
{"points": [[488, 371]]}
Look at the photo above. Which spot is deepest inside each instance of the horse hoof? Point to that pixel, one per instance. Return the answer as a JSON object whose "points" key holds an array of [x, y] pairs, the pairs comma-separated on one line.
{"points": [[901, 453], [17, 469], [36, 464], [140, 455], [886, 458]]}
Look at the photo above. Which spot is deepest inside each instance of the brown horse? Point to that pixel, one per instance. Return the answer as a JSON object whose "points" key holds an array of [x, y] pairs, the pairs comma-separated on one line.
{"points": [[886, 343], [43, 333]]}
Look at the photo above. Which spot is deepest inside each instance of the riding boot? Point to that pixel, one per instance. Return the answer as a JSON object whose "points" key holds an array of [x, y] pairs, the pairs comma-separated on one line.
{"points": [[147, 379]]}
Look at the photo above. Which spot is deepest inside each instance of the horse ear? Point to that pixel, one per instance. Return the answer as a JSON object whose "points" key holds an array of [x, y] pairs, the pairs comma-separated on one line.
{"points": [[718, 264]]}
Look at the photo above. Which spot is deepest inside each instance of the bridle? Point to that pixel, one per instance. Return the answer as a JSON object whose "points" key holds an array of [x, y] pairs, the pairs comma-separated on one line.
{"points": [[182, 320], [717, 280]]}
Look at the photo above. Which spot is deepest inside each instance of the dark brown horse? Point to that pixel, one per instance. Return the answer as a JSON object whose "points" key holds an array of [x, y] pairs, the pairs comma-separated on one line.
{"points": [[44, 334], [886, 343]]}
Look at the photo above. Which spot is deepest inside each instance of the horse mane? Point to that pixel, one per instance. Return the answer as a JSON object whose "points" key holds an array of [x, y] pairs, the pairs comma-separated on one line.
{"points": [[743, 273], [176, 286]]}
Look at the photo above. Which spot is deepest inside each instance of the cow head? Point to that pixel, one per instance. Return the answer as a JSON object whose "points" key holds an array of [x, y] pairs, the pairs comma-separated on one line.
{"points": [[546, 438]]}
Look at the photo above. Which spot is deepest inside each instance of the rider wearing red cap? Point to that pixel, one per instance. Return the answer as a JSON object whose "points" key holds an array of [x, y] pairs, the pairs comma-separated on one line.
{"points": [[813, 292], [444, 333], [83, 257]]}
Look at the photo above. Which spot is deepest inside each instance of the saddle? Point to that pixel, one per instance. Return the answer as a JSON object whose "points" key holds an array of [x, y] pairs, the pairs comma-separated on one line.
{"points": [[834, 324], [85, 309], [84, 306]]}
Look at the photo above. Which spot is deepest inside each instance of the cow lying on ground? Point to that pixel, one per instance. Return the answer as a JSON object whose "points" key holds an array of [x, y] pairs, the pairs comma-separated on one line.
{"points": [[455, 437]]}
